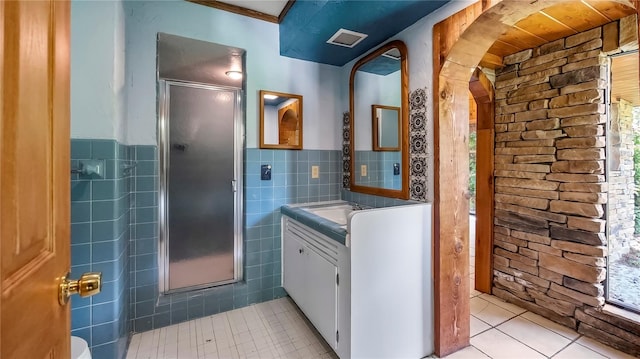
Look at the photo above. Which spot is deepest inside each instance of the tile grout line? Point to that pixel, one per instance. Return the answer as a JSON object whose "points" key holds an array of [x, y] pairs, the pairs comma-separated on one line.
{"points": [[572, 341], [525, 344], [507, 334]]}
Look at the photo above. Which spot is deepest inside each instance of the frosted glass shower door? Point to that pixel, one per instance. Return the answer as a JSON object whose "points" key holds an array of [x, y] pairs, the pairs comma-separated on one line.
{"points": [[201, 201]]}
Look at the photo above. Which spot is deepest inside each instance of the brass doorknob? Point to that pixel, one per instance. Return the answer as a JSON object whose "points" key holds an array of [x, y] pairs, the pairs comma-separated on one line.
{"points": [[89, 284]]}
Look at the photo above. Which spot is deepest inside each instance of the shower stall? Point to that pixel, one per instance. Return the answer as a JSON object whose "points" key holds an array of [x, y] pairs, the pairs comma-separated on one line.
{"points": [[200, 138]]}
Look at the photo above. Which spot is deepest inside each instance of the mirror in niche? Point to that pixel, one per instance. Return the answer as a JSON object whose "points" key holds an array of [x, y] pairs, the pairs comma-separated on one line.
{"points": [[379, 122], [386, 128], [280, 120]]}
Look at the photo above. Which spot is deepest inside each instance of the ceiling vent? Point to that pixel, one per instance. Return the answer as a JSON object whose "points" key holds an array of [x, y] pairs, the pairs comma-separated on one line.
{"points": [[346, 38], [392, 54]]}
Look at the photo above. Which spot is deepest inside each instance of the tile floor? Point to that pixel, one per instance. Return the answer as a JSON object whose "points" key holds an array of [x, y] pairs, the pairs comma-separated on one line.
{"points": [[277, 329], [274, 329]]}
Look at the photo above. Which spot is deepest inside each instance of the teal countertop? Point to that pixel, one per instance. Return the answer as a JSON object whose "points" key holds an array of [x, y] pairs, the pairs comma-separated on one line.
{"points": [[329, 228]]}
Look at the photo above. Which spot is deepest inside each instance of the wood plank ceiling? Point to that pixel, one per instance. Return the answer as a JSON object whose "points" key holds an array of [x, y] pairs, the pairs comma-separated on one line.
{"points": [[554, 23]]}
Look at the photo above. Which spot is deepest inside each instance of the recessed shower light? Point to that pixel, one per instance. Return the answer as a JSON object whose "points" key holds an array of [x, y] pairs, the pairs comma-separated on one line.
{"points": [[346, 38], [235, 75], [270, 97]]}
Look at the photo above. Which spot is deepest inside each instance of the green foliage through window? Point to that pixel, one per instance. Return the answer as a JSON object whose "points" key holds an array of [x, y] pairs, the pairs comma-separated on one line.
{"points": [[472, 170]]}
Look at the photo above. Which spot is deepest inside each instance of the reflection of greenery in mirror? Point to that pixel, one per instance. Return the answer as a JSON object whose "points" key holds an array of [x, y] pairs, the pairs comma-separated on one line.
{"points": [[379, 122], [386, 128], [280, 120]]}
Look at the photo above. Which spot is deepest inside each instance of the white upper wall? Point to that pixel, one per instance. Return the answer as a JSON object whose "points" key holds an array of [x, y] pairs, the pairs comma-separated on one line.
{"points": [[265, 69], [103, 107], [97, 70], [419, 40]]}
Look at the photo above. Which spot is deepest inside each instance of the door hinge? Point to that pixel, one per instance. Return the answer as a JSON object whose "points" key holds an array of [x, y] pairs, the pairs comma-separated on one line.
{"points": [[337, 278], [337, 336]]}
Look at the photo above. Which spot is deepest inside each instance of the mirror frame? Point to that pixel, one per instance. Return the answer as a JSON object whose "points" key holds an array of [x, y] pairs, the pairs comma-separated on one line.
{"points": [[376, 128], [264, 145], [402, 193]]}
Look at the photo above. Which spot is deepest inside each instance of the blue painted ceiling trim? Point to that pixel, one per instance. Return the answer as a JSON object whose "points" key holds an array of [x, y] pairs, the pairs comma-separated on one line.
{"points": [[309, 24]]}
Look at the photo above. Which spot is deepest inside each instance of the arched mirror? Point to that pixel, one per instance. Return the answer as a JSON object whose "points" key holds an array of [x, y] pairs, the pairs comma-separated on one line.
{"points": [[378, 103]]}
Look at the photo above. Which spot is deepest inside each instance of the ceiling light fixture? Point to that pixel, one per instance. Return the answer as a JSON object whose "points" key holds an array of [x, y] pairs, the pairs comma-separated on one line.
{"points": [[235, 75], [270, 97]]}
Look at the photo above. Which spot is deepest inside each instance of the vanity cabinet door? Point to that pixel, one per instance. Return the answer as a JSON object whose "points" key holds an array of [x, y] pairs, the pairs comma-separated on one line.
{"points": [[294, 269], [322, 296], [310, 276]]}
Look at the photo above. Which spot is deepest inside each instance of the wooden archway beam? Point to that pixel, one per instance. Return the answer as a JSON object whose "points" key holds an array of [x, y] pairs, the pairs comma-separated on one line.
{"points": [[459, 43], [481, 89]]}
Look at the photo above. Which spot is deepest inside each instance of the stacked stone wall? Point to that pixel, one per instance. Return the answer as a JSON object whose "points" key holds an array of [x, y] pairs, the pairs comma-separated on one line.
{"points": [[620, 205], [550, 245]]}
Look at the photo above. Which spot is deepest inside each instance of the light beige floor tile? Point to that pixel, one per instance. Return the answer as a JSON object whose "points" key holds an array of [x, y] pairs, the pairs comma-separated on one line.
{"points": [[553, 326], [469, 352], [498, 345], [276, 329], [533, 335], [501, 303], [603, 349], [477, 304], [474, 293], [577, 351], [478, 326], [489, 312]]}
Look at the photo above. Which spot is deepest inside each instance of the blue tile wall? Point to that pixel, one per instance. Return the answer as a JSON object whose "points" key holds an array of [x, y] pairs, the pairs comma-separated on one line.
{"points": [[379, 169], [144, 240], [115, 231], [290, 183], [100, 242]]}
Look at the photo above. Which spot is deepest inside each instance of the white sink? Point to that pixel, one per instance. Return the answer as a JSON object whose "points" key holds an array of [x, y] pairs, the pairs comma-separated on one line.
{"points": [[335, 213]]}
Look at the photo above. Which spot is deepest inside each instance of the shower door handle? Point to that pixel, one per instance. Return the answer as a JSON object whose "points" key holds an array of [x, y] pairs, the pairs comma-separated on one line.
{"points": [[234, 186]]}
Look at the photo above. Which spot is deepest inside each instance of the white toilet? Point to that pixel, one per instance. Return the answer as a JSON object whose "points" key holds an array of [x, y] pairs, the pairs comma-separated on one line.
{"points": [[79, 349]]}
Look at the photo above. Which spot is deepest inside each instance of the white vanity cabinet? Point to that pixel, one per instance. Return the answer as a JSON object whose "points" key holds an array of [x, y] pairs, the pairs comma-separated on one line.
{"points": [[373, 296], [310, 264]]}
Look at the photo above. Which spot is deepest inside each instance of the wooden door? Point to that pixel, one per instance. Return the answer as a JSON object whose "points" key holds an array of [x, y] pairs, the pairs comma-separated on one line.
{"points": [[34, 178]]}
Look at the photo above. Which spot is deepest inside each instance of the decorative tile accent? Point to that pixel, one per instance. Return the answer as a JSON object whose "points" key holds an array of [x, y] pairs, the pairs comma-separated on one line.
{"points": [[418, 145], [346, 155]]}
